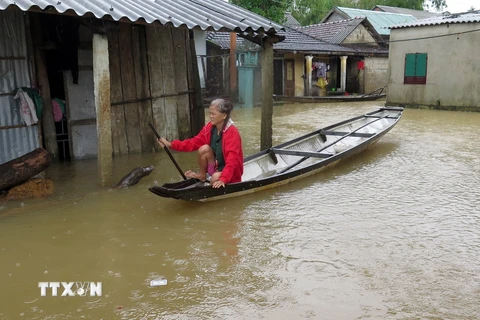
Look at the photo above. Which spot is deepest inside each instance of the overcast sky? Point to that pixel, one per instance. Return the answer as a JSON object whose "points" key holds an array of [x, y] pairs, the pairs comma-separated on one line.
{"points": [[455, 6]]}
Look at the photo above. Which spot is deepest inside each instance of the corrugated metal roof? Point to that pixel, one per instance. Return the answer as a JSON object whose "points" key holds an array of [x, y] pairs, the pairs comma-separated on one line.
{"points": [[381, 21], [449, 19], [213, 15], [419, 14]]}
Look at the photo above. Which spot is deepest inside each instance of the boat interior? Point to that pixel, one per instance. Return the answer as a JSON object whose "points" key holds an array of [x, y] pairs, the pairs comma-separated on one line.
{"points": [[319, 145]]}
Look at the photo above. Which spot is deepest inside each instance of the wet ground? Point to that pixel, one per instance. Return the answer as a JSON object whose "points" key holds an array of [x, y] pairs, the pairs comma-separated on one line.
{"points": [[390, 234]]}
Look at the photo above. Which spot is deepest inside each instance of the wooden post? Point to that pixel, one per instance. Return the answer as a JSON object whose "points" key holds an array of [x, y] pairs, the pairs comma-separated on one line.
{"points": [[233, 66], [225, 78], [198, 111], [267, 94], [101, 82], [181, 39], [49, 132]]}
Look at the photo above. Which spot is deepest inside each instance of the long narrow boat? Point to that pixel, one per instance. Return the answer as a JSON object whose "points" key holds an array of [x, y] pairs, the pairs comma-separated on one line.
{"points": [[374, 95], [323, 99], [294, 159]]}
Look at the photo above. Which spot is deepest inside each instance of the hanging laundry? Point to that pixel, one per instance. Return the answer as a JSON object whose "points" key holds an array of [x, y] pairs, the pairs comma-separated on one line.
{"points": [[57, 111], [321, 68], [361, 65], [322, 82], [61, 103], [27, 107], [34, 94]]}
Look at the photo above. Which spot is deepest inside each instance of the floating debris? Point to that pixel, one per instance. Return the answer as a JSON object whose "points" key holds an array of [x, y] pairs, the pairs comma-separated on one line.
{"points": [[158, 282]]}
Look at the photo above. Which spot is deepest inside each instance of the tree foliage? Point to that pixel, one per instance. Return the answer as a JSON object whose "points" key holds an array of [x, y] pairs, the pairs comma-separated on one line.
{"points": [[313, 11], [271, 9]]}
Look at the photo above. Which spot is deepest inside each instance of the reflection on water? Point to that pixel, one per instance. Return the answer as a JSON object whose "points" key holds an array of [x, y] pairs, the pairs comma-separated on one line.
{"points": [[390, 234]]}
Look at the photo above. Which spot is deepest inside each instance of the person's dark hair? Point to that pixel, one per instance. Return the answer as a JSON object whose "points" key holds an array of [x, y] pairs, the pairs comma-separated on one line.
{"points": [[224, 106]]}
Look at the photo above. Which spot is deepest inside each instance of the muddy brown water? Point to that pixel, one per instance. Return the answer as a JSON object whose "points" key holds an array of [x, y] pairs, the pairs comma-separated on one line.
{"points": [[393, 233]]}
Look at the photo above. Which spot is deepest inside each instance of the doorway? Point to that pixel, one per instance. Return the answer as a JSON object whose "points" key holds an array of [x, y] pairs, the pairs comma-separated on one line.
{"points": [[278, 77], [60, 40]]}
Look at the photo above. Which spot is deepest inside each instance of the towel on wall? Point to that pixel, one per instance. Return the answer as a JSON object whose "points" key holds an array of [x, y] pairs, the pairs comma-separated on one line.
{"points": [[27, 107]]}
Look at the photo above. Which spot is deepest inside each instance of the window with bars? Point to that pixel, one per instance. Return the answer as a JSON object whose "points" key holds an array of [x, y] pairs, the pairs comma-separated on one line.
{"points": [[415, 68]]}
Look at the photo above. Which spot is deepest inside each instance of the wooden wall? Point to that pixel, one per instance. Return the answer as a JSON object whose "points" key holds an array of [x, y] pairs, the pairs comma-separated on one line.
{"points": [[151, 81]]}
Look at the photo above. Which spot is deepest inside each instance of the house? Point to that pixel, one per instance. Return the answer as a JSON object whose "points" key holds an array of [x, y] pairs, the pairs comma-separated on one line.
{"points": [[367, 69], [93, 56], [433, 63], [301, 58], [290, 21], [347, 51], [218, 69], [381, 21], [418, 14], [217, 65]]}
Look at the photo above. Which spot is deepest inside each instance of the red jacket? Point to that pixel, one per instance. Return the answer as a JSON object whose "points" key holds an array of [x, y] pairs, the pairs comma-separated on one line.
{"points": [[231, 149]]}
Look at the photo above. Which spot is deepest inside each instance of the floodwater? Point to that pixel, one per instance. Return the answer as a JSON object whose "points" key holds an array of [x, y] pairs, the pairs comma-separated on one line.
{"points": [[393, 233]]}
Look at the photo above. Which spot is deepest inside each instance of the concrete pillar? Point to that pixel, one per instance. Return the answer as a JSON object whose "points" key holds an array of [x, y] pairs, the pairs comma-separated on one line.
{"points": [[343, 73], [267, 95], [308, 82], [101, 90]]}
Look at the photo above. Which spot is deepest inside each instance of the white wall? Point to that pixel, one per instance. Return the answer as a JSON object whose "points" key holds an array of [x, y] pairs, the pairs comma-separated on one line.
{"points": [[453, 66]]}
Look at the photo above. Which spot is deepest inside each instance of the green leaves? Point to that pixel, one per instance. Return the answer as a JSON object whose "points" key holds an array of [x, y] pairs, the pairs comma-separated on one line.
{"points": [[272, 9], [309, 12]]}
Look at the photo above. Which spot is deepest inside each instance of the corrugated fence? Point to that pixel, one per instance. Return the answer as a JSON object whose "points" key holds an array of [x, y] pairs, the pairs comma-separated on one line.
{"points": [[16, 139]]}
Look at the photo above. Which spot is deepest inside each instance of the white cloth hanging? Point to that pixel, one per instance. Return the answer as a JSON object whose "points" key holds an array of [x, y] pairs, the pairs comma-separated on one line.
{"points": [[27, 107]]}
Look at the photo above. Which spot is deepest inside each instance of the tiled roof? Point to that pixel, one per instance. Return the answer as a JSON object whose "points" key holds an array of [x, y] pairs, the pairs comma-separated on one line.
{"points": [[419, 14], [448, 19], [222, 40], [381, 21], [297, 41], [301, 42], [333, 32], [211, 15], [291, 21]]}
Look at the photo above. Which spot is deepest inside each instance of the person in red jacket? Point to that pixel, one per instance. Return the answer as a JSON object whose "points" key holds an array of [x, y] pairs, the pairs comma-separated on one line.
{"points": [[219, 147]]}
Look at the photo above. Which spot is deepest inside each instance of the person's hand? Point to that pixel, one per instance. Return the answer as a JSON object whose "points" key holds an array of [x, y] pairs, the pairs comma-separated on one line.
{"points": [[164, 143], [218, 184]]}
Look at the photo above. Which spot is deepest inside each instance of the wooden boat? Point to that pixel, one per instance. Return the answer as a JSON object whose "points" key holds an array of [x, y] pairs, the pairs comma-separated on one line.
{"points": [[294, 159], [340, 98], [334, 96]]}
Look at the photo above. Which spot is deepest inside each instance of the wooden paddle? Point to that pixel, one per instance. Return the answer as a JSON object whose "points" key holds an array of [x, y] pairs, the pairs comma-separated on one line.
{"points": [[168, 152]]}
